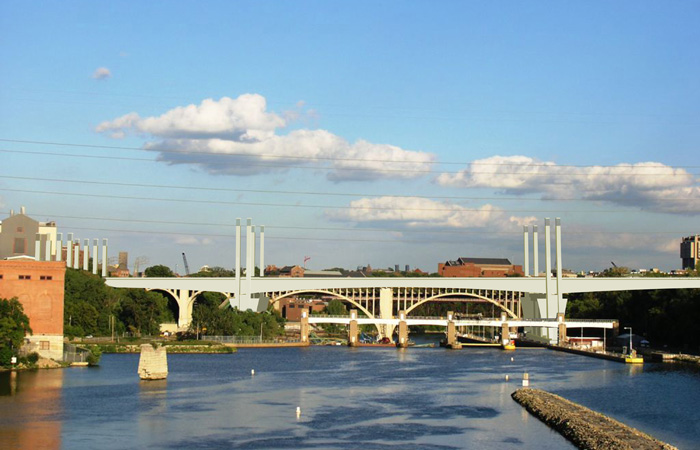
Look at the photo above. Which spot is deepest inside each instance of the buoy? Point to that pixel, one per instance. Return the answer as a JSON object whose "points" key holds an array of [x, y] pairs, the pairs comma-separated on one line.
{"points": [[298, 411], [526, 380], [511, 359], [252, 371], [507, 377]]}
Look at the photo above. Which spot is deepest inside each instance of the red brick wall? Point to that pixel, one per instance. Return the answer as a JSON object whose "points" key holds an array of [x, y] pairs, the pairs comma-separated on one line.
{"points": [[41, 294]]}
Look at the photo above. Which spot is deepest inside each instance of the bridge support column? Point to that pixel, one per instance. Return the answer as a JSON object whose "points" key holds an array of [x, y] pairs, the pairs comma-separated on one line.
{"points": [[562, 329], [386, 310], [538, 306], [352, 329], [403, 331], [505, 330], [304, 326], [185, 302], [452, 332]]}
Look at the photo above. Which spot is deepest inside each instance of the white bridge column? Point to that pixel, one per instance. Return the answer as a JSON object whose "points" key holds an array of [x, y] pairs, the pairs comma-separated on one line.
{"points": [[185, 303], [386, 310]]}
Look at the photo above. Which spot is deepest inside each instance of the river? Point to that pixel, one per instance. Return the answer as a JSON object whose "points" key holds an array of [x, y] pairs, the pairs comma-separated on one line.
{"points": [[418, 398]]}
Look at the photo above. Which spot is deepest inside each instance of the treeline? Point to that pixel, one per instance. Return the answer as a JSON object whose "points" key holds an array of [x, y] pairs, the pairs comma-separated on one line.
{"points": [[93, 308], [664, 317]]}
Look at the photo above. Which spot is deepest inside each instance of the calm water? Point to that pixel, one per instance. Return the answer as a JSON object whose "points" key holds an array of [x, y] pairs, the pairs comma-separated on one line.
{"points": [[350, 399]]}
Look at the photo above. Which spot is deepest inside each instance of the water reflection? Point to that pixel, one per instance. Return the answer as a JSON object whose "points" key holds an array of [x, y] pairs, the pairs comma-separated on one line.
{"points": [[30, 416]]}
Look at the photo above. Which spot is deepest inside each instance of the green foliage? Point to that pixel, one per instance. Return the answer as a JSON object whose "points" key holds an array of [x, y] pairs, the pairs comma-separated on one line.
{"points": [[214, 272], [142, 312], [159, 271], [93, 358], [211, 318], [663, 316], [14, 325], [33, 357]]}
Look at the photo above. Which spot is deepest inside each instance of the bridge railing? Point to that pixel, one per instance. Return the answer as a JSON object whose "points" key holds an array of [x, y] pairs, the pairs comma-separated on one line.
{"points": [[248, 340]]}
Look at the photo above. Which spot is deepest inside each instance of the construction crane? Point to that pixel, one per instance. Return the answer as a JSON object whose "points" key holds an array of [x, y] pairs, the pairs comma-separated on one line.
{"points": [[187, 267], [306, 258], [614, 265]]}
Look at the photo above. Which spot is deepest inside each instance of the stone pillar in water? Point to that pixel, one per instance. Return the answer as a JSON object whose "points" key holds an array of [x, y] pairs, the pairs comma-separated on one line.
{"points": [[562, 329], [403, 330], [304, 326], [452, 332], [352, 329], [153, 363]]}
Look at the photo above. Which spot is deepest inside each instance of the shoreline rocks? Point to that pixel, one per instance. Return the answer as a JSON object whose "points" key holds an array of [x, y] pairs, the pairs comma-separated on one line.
{"points": [[584, 427]]}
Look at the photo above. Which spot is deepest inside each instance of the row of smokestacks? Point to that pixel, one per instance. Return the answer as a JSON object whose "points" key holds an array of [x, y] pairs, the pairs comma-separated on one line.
{"points": [[76, 257]]}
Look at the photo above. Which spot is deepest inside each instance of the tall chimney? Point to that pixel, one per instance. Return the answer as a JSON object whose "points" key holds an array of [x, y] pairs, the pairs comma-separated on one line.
{"points": [[526, 248], [560, 268], [262, 250], [547, 260], [535, 252]]}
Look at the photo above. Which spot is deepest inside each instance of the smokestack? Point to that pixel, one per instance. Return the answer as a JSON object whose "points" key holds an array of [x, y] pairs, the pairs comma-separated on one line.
{"points": [[526, 249], [69, 250], [248, 251], [59, 247], [104, 258], [262, 250], [238, 252], [535, 252], [547, 259], [94, 256], [252, 230], [22, 210], [47, 248], [560, 268], [86, 253], [37, 247]]}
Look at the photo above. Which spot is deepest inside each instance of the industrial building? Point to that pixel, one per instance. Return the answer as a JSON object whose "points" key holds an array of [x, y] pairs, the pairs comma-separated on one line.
{"points": [[479, 267], [690, 253]]}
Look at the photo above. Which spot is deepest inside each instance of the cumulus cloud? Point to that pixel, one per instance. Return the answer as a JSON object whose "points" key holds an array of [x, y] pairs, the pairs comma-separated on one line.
{"points": [[241, 137], [101, 73], [415, 212], [649, 185]]}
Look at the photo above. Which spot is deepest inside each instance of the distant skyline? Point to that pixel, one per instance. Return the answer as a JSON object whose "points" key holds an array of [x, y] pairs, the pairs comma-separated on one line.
{"points": [[358, 133]]}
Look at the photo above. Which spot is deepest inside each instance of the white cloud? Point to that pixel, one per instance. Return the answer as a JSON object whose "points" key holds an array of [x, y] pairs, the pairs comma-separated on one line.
{"points": [[193, 240], [240, 137], [649, 185], [101, 73], [413, 212]]}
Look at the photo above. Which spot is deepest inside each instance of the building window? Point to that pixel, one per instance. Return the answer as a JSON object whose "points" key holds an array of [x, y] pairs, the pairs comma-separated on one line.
{"points": [[25, 277], [44, 345], [20, 245], [46, 277], [0, 276], [20, 229]]}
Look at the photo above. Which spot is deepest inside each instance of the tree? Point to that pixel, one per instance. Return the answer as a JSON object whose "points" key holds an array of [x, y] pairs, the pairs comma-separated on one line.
{"points": [[14, 326], [159, 271]]}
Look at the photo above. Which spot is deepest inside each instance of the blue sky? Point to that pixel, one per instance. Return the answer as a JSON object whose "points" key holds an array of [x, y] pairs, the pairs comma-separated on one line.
{"points": [[382, 132]]}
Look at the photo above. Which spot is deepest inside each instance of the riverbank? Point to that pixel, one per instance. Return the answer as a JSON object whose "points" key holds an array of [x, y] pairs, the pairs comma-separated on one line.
{"points": [[586, 428], [199, 347]]}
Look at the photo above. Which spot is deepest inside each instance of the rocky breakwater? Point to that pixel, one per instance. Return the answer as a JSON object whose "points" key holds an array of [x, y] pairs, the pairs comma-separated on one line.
{"points": [[153, 362], [587, 429]]}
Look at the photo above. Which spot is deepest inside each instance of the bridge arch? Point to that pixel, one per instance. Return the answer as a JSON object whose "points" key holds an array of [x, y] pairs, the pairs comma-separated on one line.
{"points": [[325, 292], [461, 294], [185, 302]]}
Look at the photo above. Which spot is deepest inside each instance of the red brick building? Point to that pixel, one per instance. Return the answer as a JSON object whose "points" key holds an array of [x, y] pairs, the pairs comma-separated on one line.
{"points": [[39, 287], [290, 307], [479, 267]]}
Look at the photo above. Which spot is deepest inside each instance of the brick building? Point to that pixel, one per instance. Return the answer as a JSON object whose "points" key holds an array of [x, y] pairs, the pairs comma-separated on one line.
{"points": [[479, 267], [39, 287], [290, 308]]}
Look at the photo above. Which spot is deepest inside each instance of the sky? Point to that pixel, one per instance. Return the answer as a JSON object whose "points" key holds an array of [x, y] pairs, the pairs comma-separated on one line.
{"points": [[357, 133]]}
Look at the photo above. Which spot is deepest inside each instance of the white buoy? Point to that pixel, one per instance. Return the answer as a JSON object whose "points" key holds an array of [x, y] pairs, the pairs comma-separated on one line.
{"points": [[507, 377], [526, 380], [252, 371], [298, 411], [511, 359]]}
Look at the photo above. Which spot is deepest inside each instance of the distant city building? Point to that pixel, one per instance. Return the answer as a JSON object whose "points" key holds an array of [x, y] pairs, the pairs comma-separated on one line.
{"points": [[121, 270], [479, 267], [290, 308], [690, 252], [39, 287], [18, 234]]}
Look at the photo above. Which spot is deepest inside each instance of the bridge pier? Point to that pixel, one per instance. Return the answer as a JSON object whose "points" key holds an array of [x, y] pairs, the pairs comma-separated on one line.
{"points": [[403, 331], [352, 329], [505, 330], [304, 326], [452, 341], [542, 306], [562, 329], [386, 311]]}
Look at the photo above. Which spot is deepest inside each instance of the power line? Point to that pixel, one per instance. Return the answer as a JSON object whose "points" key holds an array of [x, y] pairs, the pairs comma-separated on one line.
{"points": [[318, 158], [287, 205], [323, 194], [353, 229]]}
